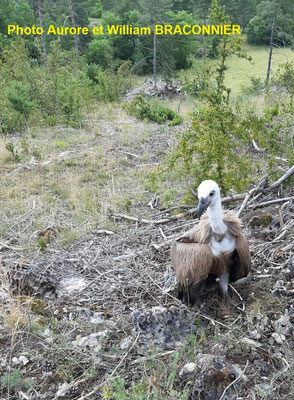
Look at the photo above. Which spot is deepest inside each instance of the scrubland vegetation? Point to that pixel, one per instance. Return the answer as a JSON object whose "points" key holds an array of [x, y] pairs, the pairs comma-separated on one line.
{"points": [[76, 158]]}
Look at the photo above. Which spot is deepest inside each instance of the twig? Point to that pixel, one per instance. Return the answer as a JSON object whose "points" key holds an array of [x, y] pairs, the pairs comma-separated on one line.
{"points": [[126, 355], [142, 359], [256, 146], [240, 297], [192, 191], [281, 219], [105, 231], [155, 222], [267, 203], [11, 247], [243, 205], [162, 233], [283, 178], [234, 381], [130, 154]]}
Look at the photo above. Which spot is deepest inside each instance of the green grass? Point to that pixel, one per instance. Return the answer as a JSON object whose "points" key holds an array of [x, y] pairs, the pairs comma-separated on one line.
{"points": [[240, 70]]}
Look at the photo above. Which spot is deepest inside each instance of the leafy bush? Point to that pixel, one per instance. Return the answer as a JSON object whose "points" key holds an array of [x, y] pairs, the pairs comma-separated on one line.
{"points": [[111, 85], [96, 11], [152, 111], [18, 95], [256, 86], [285, 78], [100, 52], [54, 94]]}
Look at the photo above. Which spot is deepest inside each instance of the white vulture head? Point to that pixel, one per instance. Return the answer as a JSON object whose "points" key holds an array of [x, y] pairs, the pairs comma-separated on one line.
{"points": [[208, 195]]}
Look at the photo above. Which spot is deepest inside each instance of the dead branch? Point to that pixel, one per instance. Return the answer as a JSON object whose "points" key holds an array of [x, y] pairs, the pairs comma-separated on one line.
{"points": [[282, 179], [155, 222], [6, 246], [130, 154], [256, 147], [269, 202]]}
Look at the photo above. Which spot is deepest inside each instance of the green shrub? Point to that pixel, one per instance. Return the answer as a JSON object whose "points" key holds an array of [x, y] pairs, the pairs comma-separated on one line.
{"points": [[18, 95], [100, 52], [13, 380], [96, 11], [10, 147], [111, 85], [141, 108], [53, 94], [257, 85]]}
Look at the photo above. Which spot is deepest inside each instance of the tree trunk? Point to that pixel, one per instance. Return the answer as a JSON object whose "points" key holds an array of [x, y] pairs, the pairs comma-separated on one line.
{"points": [[71, 14], [154, 58], [40, 15], [270, 52]]}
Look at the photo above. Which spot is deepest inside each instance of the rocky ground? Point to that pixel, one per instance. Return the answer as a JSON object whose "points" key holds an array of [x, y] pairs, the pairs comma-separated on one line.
{"points": [[100, 319]]}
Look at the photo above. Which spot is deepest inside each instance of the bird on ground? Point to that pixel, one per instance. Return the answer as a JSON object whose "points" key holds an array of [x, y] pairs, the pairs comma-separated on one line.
{"points": [[215, 247]]}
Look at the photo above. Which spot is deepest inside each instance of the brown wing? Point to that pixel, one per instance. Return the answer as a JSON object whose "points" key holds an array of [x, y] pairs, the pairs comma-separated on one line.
{"points": [[241, 259], [200, 233], [191, 261]]}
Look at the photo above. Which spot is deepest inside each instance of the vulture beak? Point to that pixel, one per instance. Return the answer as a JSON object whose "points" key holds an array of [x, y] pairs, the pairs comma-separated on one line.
{"points": [[201, 206]]}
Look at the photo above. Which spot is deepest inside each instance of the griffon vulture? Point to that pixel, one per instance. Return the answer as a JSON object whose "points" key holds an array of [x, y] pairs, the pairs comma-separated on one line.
{"points": [[215, 246]]}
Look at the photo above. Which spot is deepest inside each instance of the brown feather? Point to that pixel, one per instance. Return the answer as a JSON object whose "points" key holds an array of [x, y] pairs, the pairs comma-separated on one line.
{"points": [[201, 233], [243, 260], [193, 260]]}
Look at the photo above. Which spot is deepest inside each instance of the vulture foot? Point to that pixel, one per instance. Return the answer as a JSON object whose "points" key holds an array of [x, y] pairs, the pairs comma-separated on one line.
{"points": [[191, 295]]}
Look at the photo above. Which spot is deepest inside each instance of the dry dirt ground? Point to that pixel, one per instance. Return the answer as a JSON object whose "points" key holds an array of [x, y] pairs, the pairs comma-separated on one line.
{"points": [[86, 298]]}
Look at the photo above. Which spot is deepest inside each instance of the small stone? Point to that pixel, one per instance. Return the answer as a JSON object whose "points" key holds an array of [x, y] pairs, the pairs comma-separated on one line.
{"points": [[283, 325], [126, 343], [187, 371], [24, 360], [62, 389], [255, 334], [97, 318], [264, 387], [251, 343], [278, 337]]}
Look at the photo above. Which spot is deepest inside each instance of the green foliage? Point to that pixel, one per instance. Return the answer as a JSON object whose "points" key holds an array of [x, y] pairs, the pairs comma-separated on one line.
{"points": [[18, 95], [14, 380], [111, 85], [141, 108], [259, 27], [55, 93], [285, 78], [214, 146], [197, 83], [99, 52], [42, 243], [142, 390], [97, 10], [10, 147], [172, 375], [256, 86]]}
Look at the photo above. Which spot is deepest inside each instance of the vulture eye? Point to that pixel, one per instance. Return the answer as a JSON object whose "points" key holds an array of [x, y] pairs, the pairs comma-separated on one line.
{"points": [[211, 193]]}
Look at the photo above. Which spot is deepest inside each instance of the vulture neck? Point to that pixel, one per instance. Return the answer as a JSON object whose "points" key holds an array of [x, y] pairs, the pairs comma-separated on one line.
{"points": [[215, 218]]}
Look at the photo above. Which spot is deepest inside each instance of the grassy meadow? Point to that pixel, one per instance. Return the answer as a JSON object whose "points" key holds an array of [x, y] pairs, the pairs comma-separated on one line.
{"points": [[240, 70]]}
